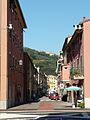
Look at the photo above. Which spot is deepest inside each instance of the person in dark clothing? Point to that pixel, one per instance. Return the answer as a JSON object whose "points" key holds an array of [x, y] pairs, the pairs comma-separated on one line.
{"points": [[64, 98]]}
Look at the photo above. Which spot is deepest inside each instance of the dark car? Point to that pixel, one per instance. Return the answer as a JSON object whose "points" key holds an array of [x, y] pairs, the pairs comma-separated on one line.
{"points": [[54, 96]]}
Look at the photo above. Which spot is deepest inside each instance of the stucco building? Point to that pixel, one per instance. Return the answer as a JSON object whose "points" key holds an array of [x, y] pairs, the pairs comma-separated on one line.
{"points": [[11, 53], [52, 83], [76, 57]]}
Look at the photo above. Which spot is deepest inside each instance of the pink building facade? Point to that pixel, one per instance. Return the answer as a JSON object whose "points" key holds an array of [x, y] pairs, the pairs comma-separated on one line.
{"points": [[86, 52]]}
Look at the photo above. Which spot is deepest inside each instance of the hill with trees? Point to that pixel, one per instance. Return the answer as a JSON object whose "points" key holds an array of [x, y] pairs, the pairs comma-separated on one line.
{"points": [[46, 61]]}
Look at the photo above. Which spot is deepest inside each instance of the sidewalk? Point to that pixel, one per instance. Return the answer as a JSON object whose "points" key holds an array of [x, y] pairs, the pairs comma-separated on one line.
{"points": [[28, 106], [62, 105]]}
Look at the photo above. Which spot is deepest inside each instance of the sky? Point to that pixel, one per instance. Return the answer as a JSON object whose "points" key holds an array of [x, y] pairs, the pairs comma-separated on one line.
{"points": [[49, 22]]}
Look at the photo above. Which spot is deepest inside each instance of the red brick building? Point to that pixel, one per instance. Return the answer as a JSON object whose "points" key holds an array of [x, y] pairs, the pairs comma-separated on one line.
{"points": [[30, 86], [11, 53]]}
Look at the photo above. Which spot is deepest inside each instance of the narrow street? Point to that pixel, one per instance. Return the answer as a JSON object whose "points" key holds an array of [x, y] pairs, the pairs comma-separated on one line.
{"points": [[45, 109], [44, 103]]}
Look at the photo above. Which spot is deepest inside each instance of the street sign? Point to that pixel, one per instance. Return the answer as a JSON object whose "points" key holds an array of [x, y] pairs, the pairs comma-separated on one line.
{"points": [[61, 86]]}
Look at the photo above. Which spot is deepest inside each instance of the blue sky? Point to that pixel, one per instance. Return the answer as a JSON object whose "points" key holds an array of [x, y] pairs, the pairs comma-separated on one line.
{"points": [[49, 22]]}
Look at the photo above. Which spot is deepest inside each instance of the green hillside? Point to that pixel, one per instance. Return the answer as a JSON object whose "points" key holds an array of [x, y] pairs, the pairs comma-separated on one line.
{"points": [[46, 62]]}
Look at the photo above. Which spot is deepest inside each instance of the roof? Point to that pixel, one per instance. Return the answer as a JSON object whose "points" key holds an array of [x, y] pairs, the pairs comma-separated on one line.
{"points": [[67, 40], [24, 23], [76, 33], [84, 20]]}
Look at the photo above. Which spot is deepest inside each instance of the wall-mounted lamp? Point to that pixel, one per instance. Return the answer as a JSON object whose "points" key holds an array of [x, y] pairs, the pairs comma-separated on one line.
{"points": [[20, 62], [10, 27]]}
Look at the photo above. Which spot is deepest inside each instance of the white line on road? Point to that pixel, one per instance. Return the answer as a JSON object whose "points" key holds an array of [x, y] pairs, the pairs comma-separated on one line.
{"points": [[9, 115]]}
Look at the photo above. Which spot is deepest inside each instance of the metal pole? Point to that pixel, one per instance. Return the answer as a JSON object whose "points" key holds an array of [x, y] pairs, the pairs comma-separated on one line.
{"points": [[38, 73], [73, 105]]}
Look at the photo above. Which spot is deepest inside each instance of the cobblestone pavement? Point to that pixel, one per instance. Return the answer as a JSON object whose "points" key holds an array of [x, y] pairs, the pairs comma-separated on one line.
{"points": [[43, 104]]}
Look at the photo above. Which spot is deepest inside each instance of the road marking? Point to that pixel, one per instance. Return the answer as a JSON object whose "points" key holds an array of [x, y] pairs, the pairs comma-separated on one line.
{"points": [[9, 115]]}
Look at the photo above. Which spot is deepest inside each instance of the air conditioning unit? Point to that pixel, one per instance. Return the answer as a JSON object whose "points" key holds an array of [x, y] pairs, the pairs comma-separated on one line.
{"points": [[10, 27]]}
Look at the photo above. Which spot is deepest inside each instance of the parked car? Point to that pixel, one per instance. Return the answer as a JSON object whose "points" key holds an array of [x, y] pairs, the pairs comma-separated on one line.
{"points": [[50, 93], [54, 96]]}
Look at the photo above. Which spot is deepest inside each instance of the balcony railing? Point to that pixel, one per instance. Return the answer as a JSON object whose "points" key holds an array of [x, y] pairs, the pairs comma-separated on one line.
{"points": [[77, 73]]}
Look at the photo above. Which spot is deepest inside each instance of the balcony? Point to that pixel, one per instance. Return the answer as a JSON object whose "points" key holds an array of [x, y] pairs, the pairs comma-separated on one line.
{"points": [[77, 73]]}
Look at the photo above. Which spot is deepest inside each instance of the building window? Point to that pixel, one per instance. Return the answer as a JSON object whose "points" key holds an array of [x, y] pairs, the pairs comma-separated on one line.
{"points": [[65, 67], [11, 61], [12, 4]]}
